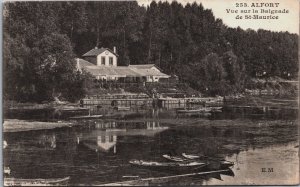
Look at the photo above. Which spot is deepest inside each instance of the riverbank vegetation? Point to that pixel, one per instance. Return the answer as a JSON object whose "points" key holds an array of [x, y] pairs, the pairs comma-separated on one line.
{"points": [[41, 39]]}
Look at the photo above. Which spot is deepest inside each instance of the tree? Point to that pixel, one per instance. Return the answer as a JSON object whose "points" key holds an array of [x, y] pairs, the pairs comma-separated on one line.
{"points": [[38, 60]]}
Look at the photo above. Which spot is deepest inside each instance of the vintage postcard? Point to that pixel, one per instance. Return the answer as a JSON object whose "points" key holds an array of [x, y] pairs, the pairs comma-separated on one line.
{"points": [[150, 93]]}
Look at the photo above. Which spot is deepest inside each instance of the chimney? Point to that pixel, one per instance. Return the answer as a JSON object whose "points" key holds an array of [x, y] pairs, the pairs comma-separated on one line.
{"points": [[115, 50]]}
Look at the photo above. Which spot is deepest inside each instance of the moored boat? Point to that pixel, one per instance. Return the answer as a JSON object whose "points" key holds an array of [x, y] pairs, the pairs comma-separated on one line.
{"points": [[216, 109], [173, 158], [87, 117], [190, 156], [226, 164], [215, 163], [194, 110], [35, 182], [122, 108], [170, 166]]}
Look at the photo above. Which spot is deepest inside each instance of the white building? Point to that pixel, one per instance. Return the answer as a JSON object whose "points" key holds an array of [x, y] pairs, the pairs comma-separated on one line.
{"points": [[102, 57], [103, 65]]}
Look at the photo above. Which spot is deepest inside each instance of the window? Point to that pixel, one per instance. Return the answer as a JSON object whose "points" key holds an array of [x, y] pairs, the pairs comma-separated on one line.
{"points": [[103, 60], [110, 61]]}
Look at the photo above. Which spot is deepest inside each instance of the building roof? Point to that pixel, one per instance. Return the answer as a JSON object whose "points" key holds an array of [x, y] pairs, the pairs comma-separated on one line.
{"points": [[122, 71], [149, 72], [144, 66], [83, 63], [96, 52], [80, 64], [112, 71], [119, 71]]}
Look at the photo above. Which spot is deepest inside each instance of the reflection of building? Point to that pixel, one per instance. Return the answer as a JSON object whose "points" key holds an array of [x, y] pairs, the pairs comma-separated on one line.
{"points": [[47, 141], [104, 136], [107, 142], [101, 143]]}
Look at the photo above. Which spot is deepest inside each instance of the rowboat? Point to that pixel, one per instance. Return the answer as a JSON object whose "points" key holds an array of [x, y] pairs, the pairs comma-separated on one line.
{"points": [[86, 117], [226, 164], [122, 108], [215, 109], [194, 110], [170, 166], [190, 156], [214, 163], [173, 158], [35, 182]]}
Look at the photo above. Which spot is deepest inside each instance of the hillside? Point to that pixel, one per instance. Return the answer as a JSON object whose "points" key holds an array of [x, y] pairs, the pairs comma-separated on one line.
{"points": [[187, 41]]}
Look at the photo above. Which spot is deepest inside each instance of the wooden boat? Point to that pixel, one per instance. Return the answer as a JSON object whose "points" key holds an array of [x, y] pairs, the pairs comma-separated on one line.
{"points": [[122, 108], [87, 117], [226, 164], [173, 158], [35, 182], [214, 163], [216, 109], [190, 156], [169, 166], [194, 110]]}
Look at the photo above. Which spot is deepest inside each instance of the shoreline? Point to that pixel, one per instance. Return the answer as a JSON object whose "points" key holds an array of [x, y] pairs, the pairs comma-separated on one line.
{"points": [[16, 125]]}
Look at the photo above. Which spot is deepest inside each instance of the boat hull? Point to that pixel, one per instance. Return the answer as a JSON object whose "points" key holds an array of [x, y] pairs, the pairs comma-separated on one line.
{"points": [[171, 167], [87, 117], [174, 159]]}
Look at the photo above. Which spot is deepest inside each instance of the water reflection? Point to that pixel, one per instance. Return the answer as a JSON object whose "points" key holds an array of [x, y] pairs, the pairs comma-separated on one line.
{"points": [[98, 151], [250, 110], [103, 135], [47, 141]]}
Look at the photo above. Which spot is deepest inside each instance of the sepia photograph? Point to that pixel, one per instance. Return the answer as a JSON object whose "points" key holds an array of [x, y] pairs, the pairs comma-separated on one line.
{"points": [[150, 93]]}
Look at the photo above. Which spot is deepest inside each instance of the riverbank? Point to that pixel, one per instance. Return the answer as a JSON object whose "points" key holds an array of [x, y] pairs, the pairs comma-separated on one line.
{"points": [[15, 125]]}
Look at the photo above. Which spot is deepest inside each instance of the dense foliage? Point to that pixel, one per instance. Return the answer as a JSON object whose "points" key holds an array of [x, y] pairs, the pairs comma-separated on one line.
{"points": [[42, 38]]}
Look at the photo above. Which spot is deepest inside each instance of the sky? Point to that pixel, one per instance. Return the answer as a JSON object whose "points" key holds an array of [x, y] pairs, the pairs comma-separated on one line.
{"points": [[286, 22]]}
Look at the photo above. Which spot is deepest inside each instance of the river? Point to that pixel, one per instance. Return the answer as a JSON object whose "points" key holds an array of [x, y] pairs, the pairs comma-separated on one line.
{"points": [[261, 141]]}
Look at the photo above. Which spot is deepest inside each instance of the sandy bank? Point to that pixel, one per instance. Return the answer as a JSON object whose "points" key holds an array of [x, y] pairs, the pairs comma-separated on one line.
{"points": [[15, 125]]}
